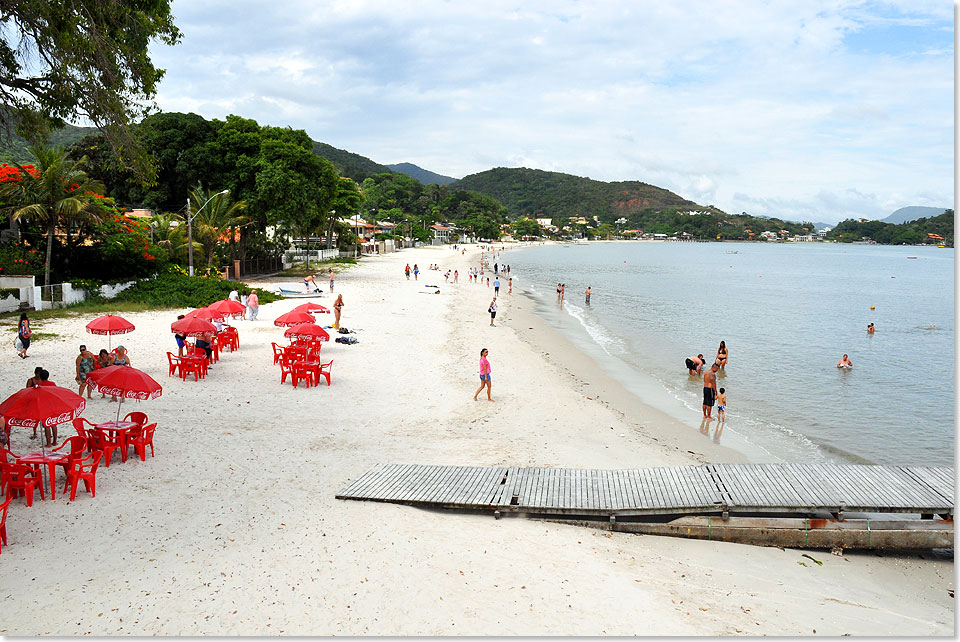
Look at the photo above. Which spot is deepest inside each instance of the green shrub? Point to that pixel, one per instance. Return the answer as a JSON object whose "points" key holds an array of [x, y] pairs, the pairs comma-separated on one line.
{"points": [[175, 290], [5, 292]]}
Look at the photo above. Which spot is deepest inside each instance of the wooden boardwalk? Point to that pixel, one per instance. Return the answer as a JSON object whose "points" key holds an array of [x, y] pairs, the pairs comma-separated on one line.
{"points": [[680, 490]]}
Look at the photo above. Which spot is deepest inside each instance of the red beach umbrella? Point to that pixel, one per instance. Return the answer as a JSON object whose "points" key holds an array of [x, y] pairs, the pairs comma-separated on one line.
{"points": [[227, 306], [192, 326], [294, 317], [110, 324], [307, 332], [311, 308], [204, 313], [44, 405], [125, 382]]}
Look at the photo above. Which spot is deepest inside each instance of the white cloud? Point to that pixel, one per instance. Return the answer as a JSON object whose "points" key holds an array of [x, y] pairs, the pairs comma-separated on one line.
{"points": [[729, 103]]}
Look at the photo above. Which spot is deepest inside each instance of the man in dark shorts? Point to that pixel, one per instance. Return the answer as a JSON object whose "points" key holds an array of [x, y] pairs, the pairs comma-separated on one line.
{"points": [[695, 364], [710, 389]]}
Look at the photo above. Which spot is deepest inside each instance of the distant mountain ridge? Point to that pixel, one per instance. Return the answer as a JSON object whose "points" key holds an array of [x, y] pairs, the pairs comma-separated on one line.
{"points": [[425, 176], [538, 193], [907, 214]]}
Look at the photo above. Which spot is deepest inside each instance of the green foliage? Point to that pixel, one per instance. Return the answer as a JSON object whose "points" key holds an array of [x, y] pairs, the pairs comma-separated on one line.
{"points": [[18, 259], [86, 57], [173, 289], [526, 227], [909, 233], [119, 245], [7, 292]]}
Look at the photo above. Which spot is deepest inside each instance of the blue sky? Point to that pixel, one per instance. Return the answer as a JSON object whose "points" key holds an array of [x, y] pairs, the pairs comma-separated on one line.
{"points": [[803, 110]]}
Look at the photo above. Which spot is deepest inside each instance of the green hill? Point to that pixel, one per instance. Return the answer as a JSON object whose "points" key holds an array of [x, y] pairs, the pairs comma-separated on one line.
{"points": [[349, 164], [536, 193], [13, 148], [425, 176]]}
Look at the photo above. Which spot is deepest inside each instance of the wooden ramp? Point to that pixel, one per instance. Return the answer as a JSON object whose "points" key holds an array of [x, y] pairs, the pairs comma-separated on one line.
{"points": [[712, 489]]}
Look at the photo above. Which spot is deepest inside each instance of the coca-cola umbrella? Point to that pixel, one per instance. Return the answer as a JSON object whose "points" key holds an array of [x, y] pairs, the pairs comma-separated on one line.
{"points": [[311, 308], [110, 324], [192, 327], [294, 317], [307, 332], [204, 313], [125, 382], [44, 405], [227, 306]]}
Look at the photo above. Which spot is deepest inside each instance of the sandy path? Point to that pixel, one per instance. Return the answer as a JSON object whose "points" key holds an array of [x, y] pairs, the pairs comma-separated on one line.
{"points": [[233, 528]]}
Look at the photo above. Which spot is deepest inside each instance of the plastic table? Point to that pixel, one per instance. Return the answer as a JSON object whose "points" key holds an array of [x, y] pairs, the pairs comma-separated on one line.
{"points": [[51, 459]]}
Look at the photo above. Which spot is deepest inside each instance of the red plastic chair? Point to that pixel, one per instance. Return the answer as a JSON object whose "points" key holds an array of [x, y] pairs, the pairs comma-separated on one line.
{"points": [[21, 480], [105, 445], [86, 470], [313, 354], [137, 417], [295, 373], [142, 440], [6, 457], [202, 360], [232, 337], [324, 371], [277, 352], [174, 363], [3, 522], [77, 449], [196, 366], [84, 432]]}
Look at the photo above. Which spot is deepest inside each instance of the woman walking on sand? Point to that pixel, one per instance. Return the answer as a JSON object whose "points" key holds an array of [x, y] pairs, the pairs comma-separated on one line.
{"points": [[336, 311], [23, 335], [484, 376]]}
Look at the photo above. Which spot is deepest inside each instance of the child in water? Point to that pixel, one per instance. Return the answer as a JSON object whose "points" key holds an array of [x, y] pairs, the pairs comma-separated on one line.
{"points": [[722, 404]]}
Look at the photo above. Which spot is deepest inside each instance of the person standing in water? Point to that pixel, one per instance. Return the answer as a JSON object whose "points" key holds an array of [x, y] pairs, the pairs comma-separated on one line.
{"points": [[845, 362], [709, 390], [722, 355], [485, 381], [694, 364], [588, 295]]}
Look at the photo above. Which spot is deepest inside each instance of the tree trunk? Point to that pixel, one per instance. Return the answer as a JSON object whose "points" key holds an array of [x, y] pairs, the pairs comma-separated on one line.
{"points": [[46, 267], [308, 250]]}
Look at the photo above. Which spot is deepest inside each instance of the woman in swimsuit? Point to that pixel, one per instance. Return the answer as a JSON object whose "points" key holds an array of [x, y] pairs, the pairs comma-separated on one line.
{"points": [[121, 358], [103, 360], [337, 306], [722, 355], [84, 367]]}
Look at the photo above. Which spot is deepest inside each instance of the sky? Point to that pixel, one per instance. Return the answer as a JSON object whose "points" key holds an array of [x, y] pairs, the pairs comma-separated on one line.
{"points": [[810, 110]]}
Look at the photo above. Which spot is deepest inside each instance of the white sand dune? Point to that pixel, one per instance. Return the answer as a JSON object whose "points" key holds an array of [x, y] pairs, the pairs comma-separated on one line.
{"points": [[233, 529]]}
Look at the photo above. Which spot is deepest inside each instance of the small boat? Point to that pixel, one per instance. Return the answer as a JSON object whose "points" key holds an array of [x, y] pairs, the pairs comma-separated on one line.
{"points": [[911, 257], [297, 294], [732, 251]]}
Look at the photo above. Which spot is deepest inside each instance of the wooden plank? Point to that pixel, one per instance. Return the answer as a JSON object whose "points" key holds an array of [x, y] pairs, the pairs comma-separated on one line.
{"points": [[448, 491], [418, 486], [790, 492], [931, 482], [481, 488], [618, 496], [360, 481], [664, 485], [387, 479], [371, 478]]}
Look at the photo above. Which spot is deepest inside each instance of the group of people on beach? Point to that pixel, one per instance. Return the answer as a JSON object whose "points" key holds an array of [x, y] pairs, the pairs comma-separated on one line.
{"points": [[711, 395], [310, 281], [251, 301], [87, 362]]}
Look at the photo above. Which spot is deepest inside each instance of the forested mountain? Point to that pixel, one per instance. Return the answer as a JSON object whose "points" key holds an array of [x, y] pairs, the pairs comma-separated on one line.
{"points": [[909, 233], [906, 214], [536, 193], [425, 176], [13, 148], [349, 164]]}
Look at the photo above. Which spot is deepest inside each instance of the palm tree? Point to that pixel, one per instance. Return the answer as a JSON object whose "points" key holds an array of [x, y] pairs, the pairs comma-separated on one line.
{"points": [[58, 192], [169, 233], [216, 219]]}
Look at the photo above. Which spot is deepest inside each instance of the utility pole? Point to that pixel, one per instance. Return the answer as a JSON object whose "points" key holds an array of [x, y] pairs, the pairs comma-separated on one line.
{"points": [[189, 237]]}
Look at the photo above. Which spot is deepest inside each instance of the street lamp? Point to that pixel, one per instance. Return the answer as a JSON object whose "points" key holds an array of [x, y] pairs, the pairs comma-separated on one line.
{"points": [[190, 226]]}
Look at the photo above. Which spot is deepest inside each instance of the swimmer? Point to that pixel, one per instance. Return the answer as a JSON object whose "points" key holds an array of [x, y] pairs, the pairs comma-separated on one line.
{"points": [[870, 328], [845, 362]]}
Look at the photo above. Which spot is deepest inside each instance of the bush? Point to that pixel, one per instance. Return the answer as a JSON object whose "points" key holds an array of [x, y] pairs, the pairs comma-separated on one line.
{"points": [[16, 259], [176, 290]]}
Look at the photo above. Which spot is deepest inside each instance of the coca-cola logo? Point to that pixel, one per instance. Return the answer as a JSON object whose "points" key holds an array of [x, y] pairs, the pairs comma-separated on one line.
{"points": [[22, 423], [62, 418]]}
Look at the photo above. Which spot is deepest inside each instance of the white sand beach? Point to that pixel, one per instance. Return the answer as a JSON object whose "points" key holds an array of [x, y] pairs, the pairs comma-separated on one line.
{"points": [[233, 528]]}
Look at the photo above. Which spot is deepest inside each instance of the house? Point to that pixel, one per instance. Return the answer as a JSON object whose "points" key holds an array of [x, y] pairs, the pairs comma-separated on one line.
{"points": [[545, 222], [441, 233]]}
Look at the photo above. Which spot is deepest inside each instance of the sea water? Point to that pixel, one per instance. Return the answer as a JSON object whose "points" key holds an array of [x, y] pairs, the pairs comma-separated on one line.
{"points": [[787, 312]]}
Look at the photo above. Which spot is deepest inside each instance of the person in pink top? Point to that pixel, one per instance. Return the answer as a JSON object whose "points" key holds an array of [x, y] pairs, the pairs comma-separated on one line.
{"points": [[484, 376]]}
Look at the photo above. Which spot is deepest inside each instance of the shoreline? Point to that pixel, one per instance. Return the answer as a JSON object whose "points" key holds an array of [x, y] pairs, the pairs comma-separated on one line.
{"points": [[233, 528]]}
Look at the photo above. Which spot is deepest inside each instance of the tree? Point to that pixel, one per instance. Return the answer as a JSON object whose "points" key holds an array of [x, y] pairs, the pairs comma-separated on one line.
{"points": [[526, 227], [346, 204], [220, 215], [58, 192], [84, 58]]}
